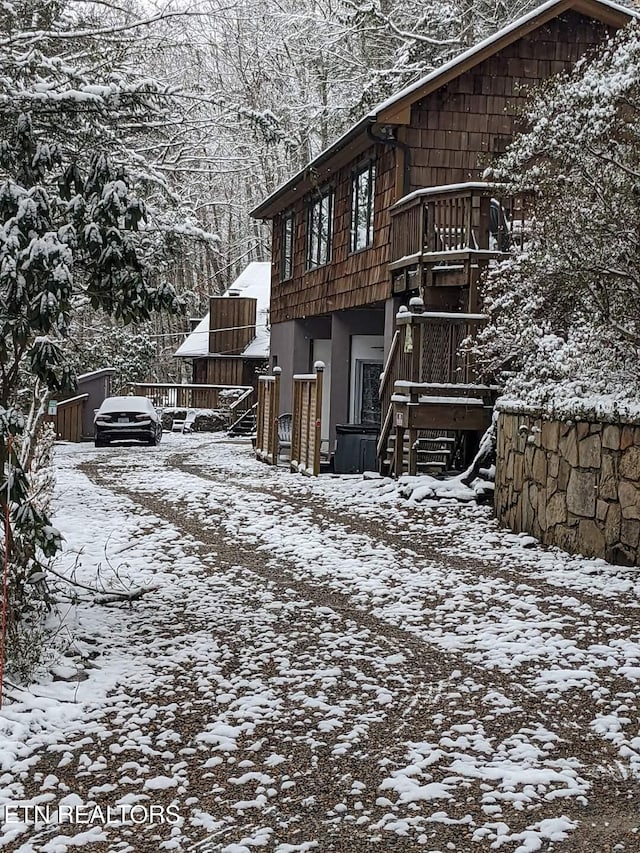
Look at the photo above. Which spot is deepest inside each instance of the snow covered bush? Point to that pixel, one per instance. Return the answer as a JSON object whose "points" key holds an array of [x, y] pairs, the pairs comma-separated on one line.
{"points": [[33, 540], [565, 316], [86, 221]]}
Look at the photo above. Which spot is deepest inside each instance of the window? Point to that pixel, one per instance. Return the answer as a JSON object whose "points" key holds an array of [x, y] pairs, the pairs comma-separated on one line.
{"points": [[286, 237], [319, 227], [362, 192]]}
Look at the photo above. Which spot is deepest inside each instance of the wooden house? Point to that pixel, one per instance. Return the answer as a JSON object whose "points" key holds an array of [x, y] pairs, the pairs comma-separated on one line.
{"points": [[230, 345], [396, 210]]}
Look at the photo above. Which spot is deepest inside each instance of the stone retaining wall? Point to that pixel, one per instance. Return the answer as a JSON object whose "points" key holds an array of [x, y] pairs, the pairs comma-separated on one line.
{"points": [[573, 484]]}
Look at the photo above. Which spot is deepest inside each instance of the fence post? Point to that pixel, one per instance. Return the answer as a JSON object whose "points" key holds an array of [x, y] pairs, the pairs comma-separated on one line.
{"points": [[274, 411], [319, 368], [399, 451], [296, 425], [259, 418], [308, 388], [416, 306]]}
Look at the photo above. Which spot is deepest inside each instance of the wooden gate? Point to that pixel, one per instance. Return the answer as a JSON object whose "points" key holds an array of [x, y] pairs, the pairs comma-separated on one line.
{"points": [[267, 417], [68, 418], [306, 421]]}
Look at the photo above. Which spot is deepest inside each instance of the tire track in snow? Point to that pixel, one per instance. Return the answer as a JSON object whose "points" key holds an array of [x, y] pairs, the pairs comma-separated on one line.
{"points": [[440, 664], [434, 546], [287, 578]]}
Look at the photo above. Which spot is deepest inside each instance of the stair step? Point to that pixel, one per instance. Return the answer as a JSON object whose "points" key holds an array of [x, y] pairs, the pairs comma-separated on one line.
{"points": [[445, 439], [244, 427], [431, 466]]}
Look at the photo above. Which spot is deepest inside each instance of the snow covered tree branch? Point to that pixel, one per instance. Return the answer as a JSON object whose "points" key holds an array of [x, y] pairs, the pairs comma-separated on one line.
{"points": [[87, 218], [565, 314]]}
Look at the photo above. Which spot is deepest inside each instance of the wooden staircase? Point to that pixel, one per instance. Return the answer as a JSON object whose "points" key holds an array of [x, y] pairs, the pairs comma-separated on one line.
{"points": [[245, 425], [433, 409], [434, 452]]}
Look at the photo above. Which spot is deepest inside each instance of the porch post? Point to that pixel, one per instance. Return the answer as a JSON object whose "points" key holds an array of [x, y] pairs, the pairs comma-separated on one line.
{"points": [[340, 374]]}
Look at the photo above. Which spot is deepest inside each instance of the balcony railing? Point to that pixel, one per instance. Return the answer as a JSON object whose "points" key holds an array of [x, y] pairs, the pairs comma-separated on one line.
{"points": [[430, 381], [445, 235], [167, 395]]}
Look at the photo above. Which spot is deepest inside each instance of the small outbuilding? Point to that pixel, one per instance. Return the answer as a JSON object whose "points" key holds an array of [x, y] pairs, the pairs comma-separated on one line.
{"points": [[230, 345], [73, 416]]}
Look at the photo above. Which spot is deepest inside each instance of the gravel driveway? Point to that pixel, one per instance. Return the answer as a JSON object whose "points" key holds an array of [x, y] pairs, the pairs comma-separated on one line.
{"points": [[319, 666]]}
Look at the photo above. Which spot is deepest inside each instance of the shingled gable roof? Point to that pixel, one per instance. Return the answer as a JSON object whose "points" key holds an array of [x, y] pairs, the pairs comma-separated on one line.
{"points": [[396, 110]]}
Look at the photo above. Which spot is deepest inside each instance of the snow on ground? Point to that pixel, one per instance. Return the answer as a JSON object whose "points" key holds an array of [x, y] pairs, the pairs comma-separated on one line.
{"points": [[320, 666]]}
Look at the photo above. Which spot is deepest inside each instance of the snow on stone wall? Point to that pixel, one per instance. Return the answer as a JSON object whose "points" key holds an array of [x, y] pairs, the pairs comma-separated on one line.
{"points": [[574, 484]]}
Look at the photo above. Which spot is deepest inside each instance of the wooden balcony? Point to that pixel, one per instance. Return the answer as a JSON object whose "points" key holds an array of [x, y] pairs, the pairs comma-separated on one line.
{"points": [[447, 236]]}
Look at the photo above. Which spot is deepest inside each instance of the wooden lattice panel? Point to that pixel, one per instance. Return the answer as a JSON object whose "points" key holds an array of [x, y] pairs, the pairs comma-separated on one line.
{"points": [[267, 418], [305, 428]]}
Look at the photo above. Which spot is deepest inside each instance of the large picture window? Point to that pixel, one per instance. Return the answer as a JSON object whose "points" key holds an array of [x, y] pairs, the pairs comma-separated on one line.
{"points": [[319, 228], [362, 195], [286, 256]]}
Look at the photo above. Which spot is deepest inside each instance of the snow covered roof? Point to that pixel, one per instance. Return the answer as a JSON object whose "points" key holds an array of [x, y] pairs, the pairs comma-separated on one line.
{"points": [[598, 9], [95, 374], [396, 109], [254, 282]]}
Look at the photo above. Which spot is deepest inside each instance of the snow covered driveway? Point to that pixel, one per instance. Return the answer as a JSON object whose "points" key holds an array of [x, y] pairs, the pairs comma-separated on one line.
{"points": [[321, 666]]}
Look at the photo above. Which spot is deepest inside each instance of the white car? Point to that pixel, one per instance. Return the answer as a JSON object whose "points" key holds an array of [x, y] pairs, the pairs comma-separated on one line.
{"points": [[127, 419]]}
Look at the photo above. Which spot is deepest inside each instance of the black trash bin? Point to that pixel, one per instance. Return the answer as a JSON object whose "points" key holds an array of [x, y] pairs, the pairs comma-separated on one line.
{"points": [[355, 448]]}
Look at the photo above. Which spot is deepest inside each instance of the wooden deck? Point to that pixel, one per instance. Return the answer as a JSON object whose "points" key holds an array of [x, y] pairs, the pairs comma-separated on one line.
{"points": [[429, 389], [442, 406], [445, 238], [195, 396]]}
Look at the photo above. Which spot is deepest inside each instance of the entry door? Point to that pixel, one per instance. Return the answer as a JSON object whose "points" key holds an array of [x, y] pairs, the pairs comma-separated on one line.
{"points": [[367, 385]]}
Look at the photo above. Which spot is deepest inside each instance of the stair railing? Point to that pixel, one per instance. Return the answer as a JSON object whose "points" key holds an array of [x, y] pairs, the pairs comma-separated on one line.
{"points": [[243, 403], [403, 363], [387, 381], [247, 416]]}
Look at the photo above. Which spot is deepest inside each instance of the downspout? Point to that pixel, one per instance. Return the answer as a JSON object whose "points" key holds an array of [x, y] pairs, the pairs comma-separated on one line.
{"points": [[406, 150]]}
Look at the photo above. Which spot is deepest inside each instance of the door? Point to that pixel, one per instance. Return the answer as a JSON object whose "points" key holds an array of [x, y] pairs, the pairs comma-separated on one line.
{"points": [[367, 384]]}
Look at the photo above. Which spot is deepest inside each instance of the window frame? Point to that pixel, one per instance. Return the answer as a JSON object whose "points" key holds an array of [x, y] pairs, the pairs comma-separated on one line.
{"points": [[287, 242], [318, 252], [367, 167]]}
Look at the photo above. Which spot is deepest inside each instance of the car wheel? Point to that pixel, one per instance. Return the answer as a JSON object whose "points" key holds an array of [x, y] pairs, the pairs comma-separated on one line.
{"points": [[152, 440], [100, 442]]}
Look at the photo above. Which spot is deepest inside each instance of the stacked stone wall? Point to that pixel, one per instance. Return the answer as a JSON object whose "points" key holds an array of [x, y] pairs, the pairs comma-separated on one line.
{"points": [[571, 484]]}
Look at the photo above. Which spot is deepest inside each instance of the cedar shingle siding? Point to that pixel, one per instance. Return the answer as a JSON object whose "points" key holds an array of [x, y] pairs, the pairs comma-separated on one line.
{"points": [[454, 134]]}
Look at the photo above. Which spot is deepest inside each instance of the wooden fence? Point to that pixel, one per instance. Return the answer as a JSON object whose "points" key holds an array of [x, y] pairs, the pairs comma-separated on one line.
{"points": [[166, 395], [306, 421], [68, 418], [267, 417]]}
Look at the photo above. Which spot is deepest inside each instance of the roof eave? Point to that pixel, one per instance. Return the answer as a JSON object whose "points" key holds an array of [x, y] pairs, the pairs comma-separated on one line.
{"points": [[397, 109], [273, 203]]}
